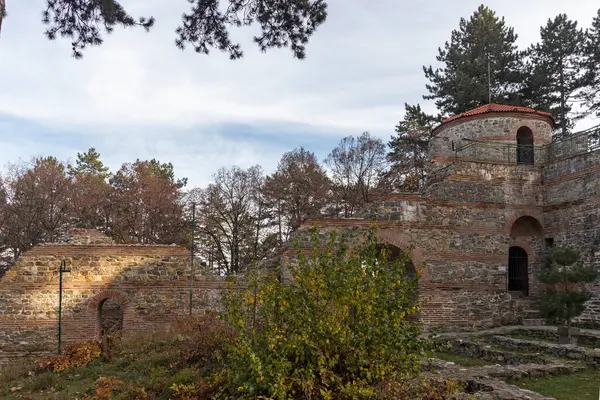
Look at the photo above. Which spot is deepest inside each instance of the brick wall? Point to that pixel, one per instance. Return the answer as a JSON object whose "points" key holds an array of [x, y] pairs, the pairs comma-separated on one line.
{"points": [[151, 283]]}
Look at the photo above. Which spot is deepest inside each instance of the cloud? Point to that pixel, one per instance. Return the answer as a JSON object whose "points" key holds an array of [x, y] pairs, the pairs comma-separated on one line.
{"points": [[139, 96]]}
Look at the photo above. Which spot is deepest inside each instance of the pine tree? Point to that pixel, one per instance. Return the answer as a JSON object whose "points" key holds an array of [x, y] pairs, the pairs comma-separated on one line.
{"points": [[206, 25], [556, 76], [591, 92], [408, 149], [565, 277], [89, 163], [483, 44]]}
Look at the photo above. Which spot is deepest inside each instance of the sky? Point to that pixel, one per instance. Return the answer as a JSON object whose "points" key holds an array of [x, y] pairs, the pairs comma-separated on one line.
{"points": [[138, 96]]}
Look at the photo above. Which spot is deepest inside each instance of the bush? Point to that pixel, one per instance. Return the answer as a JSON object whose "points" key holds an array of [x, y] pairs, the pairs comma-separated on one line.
{"points": [[204, 337], [565, 277], [74, 355], [339, 330]]}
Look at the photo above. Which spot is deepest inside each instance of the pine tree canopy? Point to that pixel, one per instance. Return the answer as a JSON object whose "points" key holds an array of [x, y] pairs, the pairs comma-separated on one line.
{"points": [[206, 25], [481, 51], [557, 69]]}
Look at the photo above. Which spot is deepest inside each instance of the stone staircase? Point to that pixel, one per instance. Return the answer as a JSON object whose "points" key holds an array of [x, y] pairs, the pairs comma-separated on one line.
{"points": [[531, 311]]}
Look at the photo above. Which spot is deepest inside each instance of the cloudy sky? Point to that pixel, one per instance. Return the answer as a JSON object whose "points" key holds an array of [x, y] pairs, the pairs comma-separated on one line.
{"points": [[138, 96]]}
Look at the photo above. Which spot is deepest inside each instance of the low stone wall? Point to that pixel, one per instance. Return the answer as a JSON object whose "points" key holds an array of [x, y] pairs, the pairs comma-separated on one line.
{"points": [[150, 284], [564, 351], [487, 353]]}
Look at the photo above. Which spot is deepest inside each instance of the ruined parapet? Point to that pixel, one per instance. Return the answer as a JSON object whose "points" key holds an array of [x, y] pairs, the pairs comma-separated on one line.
{"points": [[80, 236]]}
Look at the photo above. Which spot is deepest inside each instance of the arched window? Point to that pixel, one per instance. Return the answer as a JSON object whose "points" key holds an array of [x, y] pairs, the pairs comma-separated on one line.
{"points": [[525, 146], [518, 271]]}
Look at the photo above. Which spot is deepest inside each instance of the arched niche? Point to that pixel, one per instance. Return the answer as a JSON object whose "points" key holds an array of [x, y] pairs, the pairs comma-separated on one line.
{"points": [[526, 226], [525, 150], [110, 310], [110, 317], [394, 253]]}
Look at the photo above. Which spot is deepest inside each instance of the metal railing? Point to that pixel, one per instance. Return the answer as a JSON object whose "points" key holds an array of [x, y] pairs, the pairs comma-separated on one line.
{"points": [[511, 153]]}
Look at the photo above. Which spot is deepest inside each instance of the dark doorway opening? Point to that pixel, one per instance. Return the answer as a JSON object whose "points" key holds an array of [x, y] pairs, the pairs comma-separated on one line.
{"points": [[518, 271], [110, 314], [525, 146]]}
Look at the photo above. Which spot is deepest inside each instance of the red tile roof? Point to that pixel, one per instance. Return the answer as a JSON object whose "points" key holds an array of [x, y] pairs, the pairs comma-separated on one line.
{"points": [[495, 108]]}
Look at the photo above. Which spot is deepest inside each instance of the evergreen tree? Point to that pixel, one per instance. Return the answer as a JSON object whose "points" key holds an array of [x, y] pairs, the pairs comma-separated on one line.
{"points": [[556, 76], [565, 277], [282, 23], [591, 92], [408, 149], [481, 43], [89, 163]]}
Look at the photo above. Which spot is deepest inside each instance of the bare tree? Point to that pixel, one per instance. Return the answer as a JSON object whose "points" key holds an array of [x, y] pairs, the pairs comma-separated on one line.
{"points": [[231, 216], [296, 191], [357, 166]]}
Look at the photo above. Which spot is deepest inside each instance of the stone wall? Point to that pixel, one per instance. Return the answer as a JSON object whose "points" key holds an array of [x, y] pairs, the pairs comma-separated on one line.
{"points": [[490, 127], [572, 214], [151, 284], [460, 228]]}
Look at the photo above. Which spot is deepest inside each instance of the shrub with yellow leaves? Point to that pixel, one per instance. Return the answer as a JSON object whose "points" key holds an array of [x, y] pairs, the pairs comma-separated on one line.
{"points": [[338, 331]]}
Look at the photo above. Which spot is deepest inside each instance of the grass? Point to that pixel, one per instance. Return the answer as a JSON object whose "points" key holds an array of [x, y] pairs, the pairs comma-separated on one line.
{"points": [[155, 369], [461, 360], [584, 385]]}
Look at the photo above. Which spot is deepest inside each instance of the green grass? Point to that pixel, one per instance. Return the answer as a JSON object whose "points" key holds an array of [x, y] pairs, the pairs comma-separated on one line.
{"points": [[583, 385], [154, 369], [461, 360]]}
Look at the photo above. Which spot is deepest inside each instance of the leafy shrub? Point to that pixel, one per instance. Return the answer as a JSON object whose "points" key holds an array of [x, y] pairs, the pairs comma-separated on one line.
{"points": [[428, 388], [339, 330], [205, 337], [74, 355], [112, 388]]}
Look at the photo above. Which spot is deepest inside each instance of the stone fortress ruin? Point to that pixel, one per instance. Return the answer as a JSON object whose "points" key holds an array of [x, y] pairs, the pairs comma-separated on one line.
{"points": [[500, 194], [136, 288]]}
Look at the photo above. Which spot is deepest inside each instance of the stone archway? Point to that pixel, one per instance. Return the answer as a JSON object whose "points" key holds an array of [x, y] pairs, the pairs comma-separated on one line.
{"points": [[524, 250], [110, 317], [394, 253], [109, 309]]}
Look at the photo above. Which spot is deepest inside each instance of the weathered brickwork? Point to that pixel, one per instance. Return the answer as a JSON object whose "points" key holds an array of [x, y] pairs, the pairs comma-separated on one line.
{"points": [[150, 283], [478, 205]]}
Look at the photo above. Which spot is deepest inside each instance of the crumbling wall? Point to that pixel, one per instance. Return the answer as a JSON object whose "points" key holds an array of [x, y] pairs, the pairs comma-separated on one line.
{"points": [[150, 283]]}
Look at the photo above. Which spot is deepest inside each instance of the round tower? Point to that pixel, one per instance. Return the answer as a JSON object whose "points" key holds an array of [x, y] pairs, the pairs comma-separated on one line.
{"points": [[494, 133]]}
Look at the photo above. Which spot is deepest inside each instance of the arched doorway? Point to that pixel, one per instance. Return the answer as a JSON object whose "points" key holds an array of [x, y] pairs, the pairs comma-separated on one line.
{"points": [[110, 317], [525, 146], [394, 253], [518, 271]]}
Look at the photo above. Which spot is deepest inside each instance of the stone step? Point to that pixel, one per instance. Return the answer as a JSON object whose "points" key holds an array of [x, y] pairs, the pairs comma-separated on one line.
{"points": [[533, 321], [534, 313]]}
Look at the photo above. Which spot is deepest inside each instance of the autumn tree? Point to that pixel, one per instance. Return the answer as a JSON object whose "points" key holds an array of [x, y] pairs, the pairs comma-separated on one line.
{"points": [[146, 206], [231, 214], [296, 191], [38, 204], [205, 26], [591, 91], [480, 63], [356, 166], [408, 153], [556, 69], [91, 193]]}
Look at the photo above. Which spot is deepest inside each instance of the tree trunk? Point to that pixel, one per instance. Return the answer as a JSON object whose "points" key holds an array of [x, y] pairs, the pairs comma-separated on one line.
{"points": [[563, 117]]}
